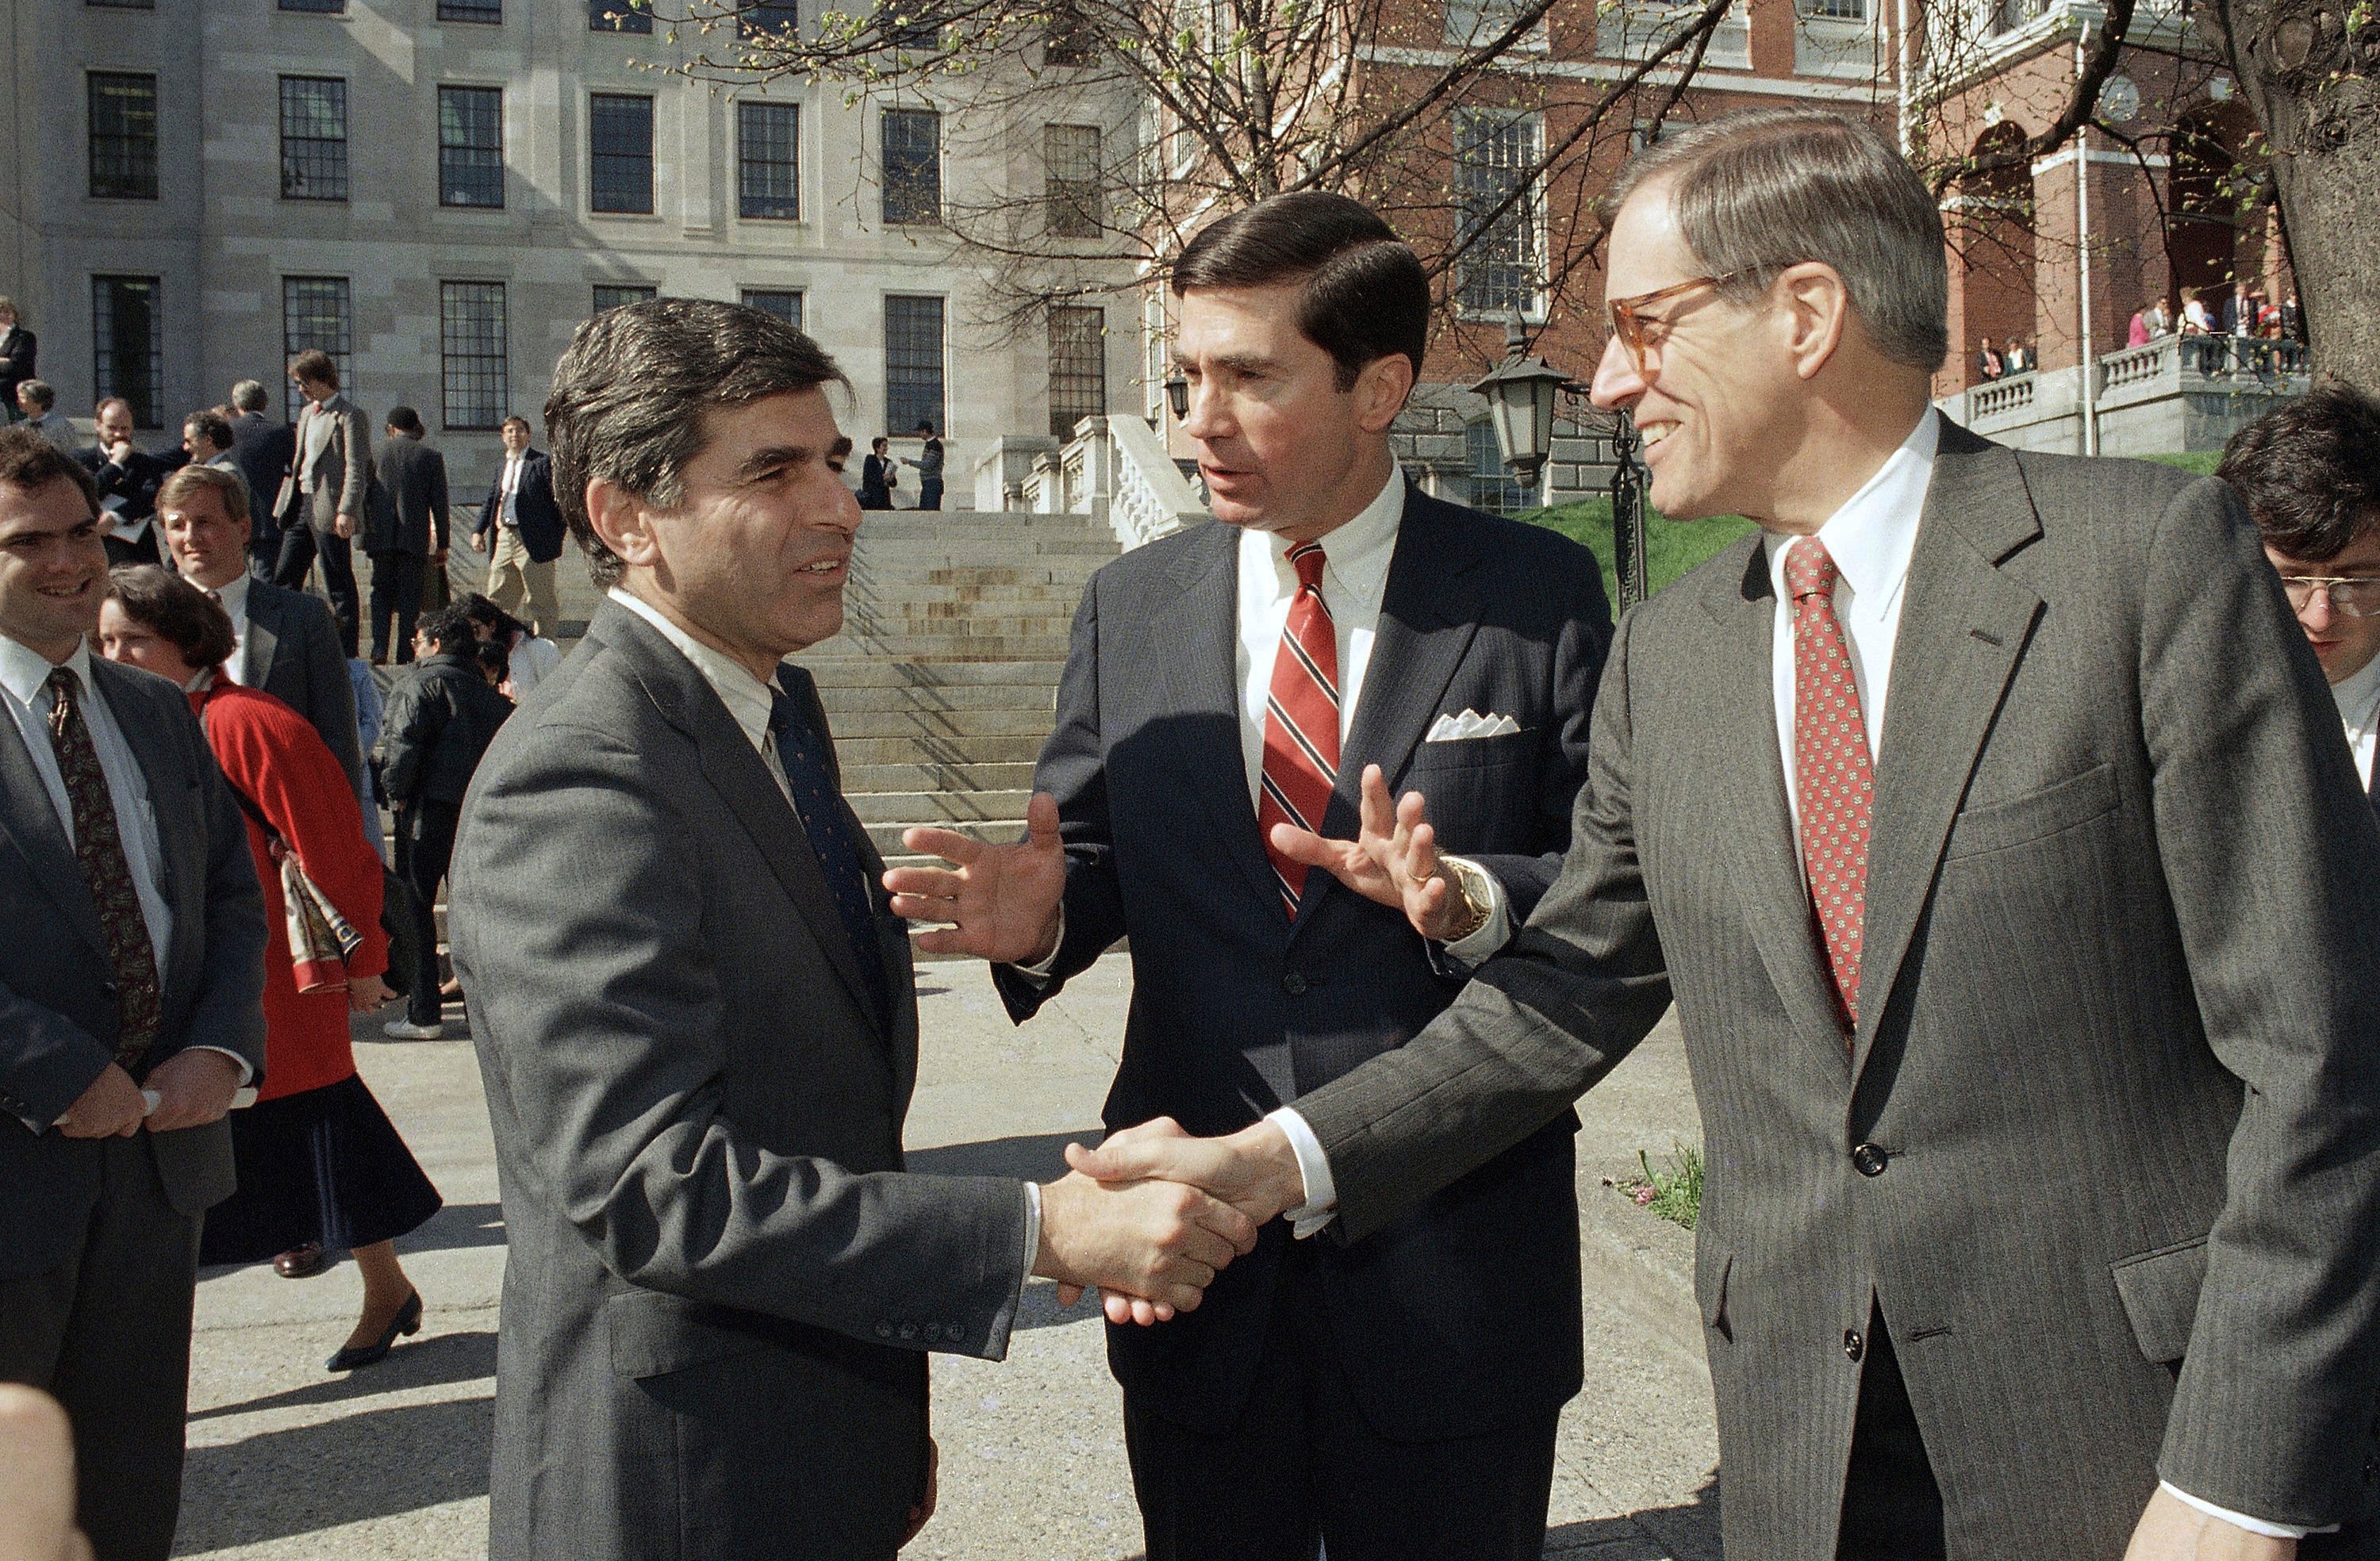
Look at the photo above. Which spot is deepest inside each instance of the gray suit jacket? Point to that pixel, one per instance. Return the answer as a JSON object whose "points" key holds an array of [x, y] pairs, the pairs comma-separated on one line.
{"points": [[2103, 1147], [339, 474], [720, 1286], [57, 996], [291, 651]]}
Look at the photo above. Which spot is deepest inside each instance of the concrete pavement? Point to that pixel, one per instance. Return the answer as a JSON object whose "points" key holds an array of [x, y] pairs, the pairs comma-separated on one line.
{"points": [[286, 1461]]}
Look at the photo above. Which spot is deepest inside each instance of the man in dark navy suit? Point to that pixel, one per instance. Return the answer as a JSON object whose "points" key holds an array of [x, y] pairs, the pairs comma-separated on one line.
{"points": [[1241, 703], [2310, 475]]}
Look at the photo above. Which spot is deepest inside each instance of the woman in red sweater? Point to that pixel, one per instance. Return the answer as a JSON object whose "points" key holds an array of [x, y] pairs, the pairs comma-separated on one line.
{"points": [[319, 1162]]}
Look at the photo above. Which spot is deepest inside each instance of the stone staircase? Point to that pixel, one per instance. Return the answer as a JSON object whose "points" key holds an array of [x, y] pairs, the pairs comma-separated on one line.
{"points": [[941, 685]]}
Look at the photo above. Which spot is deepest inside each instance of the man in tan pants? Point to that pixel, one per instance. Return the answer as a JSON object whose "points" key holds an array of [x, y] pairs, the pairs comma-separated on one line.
{"points": [[520, 529]]}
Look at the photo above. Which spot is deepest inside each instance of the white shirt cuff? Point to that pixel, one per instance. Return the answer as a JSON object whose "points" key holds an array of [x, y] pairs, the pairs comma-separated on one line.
{"points": [[1038, 972], [1321, 1203], [247, 1073], [1032, 1236], [2238, 1520], [1491, 934]]}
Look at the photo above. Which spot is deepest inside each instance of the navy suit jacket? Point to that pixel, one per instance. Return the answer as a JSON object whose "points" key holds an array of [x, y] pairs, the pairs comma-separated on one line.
{"points": [[538, 515], [265, 450], [1464, 1316]]}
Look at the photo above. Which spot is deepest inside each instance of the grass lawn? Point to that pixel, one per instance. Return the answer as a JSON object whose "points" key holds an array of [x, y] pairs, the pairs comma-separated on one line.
{"points": [[2202, 462], [1671, 547]]}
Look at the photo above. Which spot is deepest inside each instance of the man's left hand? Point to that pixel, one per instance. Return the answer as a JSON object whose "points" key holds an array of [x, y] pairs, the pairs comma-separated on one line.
{"points": [[923, 1512], [194, 1088], [2172, 1530], [1392, 861], [343, 525]]}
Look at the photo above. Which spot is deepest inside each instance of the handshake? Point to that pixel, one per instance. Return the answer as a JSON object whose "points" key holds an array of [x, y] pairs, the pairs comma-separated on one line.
{"points": [[1153, 1215]]}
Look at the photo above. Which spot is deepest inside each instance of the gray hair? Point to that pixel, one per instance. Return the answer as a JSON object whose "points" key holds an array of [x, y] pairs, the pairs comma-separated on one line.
{"points": [[1772, 188], [248, 395], [631, 391]]}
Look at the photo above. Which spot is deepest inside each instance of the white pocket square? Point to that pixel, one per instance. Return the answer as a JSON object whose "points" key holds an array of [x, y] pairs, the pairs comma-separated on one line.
{"points": [[1469, 724]]}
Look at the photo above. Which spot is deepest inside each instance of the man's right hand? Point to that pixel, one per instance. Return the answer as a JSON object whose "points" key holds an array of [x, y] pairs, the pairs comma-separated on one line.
{"points": [[1157, 1239], [479, 541], [110, 1108], [1002, 901]]}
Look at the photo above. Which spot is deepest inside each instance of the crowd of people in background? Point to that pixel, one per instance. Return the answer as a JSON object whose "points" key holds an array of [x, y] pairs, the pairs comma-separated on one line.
{"points": [[2244, 331]]}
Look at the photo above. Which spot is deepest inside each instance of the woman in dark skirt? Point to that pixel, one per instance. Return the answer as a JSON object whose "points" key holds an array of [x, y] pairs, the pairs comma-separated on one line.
{"points": [[320, 1166]]}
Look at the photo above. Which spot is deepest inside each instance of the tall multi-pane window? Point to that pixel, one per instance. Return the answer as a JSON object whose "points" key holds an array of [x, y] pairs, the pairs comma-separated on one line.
{"points": [[314, 138], [912, 362], [1494, 156], [124, 4], [620, 15], [128, 336], [913, 165], [1071, 154], [785, 305], [1078, 368], [471, 352], [1493, 486], [316, 316], [326, 8], [613, 294], [471, 10], [768, 160], [471, 146], [123, 136], [620, 131], [761, 21]]}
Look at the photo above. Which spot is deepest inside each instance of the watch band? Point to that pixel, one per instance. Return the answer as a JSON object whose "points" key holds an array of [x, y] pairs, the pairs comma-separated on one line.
{"points": [[1475, 906]]}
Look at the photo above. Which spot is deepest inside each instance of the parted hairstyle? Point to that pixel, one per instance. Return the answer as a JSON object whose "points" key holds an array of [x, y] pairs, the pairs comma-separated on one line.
{"points": [[1362, 293], [404, 420], [183, 483], [41, 393], [2308, 473], [29, 462], [316, 364], [632, 395], [1770, 187], [175, 610]]}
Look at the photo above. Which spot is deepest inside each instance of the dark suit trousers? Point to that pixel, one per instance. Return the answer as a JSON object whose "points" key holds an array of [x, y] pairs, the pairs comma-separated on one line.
{"points": [[299, 545], [395, 591], [107, 1332], [425, 845], [1892, 1508], [1303, 1468]]}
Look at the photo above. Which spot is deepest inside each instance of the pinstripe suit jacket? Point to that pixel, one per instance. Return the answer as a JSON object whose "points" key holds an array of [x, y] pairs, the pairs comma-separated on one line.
{"points": [[2119, 1046]]}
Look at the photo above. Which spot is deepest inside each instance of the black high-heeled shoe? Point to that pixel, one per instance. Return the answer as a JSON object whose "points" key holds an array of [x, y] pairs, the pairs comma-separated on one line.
{"points": [[407, 1322]]}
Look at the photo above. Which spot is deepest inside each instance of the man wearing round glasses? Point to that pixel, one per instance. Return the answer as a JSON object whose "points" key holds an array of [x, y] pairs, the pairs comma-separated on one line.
{"points": [[2310, 475]]}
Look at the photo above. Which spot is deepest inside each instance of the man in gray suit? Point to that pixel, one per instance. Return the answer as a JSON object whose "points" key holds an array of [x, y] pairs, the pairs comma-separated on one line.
{"points": [[2034, 1011], [131, 1009], [696, 1021], [321, 506]]}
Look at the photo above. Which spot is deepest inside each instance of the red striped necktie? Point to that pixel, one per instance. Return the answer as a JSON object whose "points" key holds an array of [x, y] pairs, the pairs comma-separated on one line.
{"points": [[1301, 742]]}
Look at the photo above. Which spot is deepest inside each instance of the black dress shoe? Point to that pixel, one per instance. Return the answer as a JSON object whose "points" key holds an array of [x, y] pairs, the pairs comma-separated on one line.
{"points": [[302, 1262], [407, 1322]]}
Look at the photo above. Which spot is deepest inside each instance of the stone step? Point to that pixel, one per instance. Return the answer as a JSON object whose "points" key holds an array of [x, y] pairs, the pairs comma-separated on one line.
{"points": [[886, 837], [941, 648], [856, 751], [833, 672], [908, 524], [1034, 723], [991, 551], [991, 594], [937, 807], [975, 778], [895, 696], [880, 581]]}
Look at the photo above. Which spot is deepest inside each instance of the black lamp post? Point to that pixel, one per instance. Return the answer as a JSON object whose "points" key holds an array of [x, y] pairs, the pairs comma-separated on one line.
{"points": [[1522, 393]]}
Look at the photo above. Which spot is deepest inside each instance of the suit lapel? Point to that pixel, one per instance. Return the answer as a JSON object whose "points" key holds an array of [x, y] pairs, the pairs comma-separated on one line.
{"points": [[1194, 638], [263, 637], [1964, 627], [30, 821], [1749, 772]]}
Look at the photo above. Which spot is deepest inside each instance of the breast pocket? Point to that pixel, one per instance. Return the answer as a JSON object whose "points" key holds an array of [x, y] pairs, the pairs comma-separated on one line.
{"points": [[2075, 801], [1470, 752]]}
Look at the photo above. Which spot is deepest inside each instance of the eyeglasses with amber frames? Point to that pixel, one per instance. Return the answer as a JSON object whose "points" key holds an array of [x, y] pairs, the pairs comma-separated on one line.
{"points": [[2352, 596], [1629, 318]]}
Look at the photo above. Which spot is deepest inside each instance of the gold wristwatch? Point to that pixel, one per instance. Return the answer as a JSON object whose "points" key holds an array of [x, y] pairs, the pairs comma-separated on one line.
{"points": [[1478, 900]]}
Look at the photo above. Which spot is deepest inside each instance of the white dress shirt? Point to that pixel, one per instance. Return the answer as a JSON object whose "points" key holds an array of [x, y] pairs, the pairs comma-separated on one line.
{"points": [[750, 703], [2358, 695], [233, 597], [508, 490]]}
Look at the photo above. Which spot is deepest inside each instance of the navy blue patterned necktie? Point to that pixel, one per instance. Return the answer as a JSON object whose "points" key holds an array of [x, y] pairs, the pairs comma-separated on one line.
{"points": [[819, 807]]}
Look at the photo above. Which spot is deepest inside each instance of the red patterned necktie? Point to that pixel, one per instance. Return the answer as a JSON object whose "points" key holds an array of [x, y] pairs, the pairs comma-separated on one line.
{"points": [[99, 848], [1833, 777], [1301, 740]]}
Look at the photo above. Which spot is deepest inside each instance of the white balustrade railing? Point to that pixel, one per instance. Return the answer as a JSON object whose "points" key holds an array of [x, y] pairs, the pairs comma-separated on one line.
{"points": [[1149, 497], [2000, 397], [2142, 365]]}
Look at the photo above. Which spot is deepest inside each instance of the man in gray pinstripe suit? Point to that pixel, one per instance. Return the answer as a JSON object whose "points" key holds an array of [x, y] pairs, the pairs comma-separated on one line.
{"points": [[2042, 1158]]}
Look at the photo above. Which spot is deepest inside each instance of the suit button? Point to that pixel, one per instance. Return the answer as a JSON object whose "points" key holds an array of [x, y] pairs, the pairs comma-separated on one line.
{"points": [[883, 1330], [1868, 1159], [2372, 1471], [933, 1332], [108, 987], [1293, 984], [908, 1330], [1853, 1345], [955, 1331]]}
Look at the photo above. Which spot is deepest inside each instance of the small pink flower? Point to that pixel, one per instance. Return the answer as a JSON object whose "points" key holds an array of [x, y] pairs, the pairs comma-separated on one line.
{"points": [[1646, 1195]]}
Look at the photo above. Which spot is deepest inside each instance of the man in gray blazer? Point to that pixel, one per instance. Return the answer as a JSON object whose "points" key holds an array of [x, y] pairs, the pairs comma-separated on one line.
{"points": [[1989, 823], [321, 506], [696, 1021], [131, 961]]}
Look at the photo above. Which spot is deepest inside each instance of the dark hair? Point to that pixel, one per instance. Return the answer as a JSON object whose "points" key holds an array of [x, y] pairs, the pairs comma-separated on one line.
{"points": [[214, 425], [316, 364], [880, 442], [631, 394], [479, 609], [39, 391], [494, 659], [924, 427], [2310, 472], [228, 486], [404, 420], [1363, 294], [178, 612], [517, 417], [449, 629], [30, 461]]}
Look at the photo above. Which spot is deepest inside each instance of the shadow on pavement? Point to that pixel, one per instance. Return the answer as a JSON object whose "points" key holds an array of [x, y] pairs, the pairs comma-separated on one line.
{"points": [[301, 1480], [455, 1226], [1032, 1156], [424, 1362], [1689, 1533]]}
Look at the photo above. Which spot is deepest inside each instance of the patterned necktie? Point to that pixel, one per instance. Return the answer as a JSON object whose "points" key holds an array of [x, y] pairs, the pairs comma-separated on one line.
{"points": [[816, 804], [99, 847], [1832, 773], [1301, 737]]}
